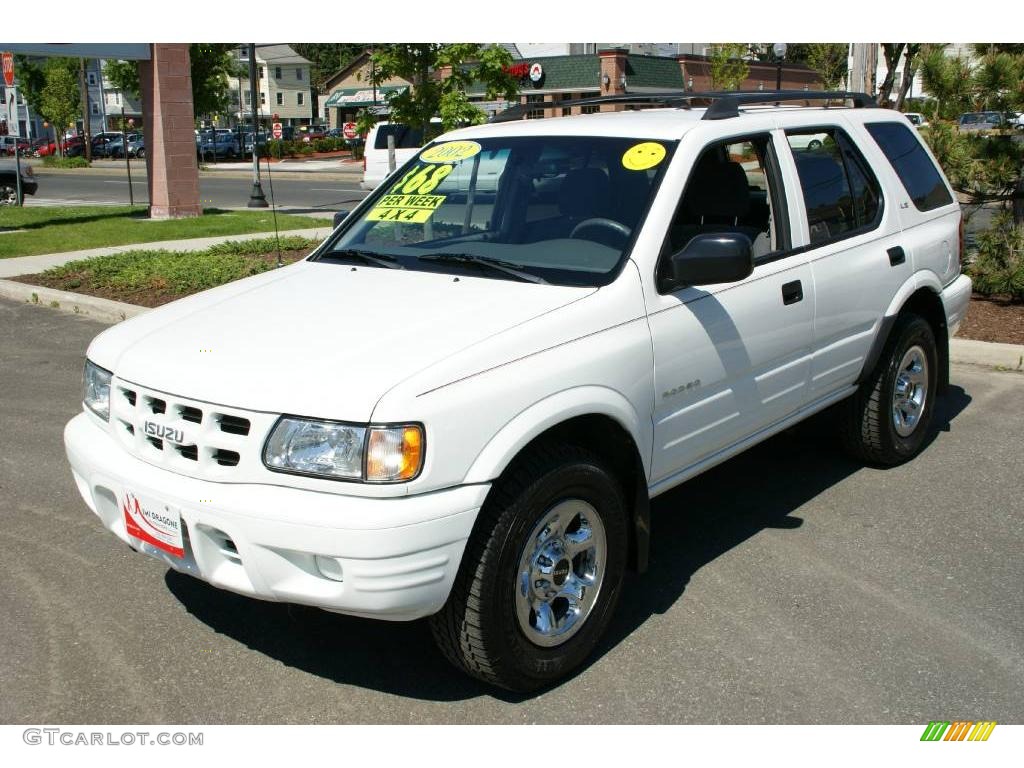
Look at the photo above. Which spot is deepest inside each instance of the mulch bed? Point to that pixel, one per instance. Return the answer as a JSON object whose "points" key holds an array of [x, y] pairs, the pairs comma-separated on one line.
{"points": [[993, 318], [150, 297]]}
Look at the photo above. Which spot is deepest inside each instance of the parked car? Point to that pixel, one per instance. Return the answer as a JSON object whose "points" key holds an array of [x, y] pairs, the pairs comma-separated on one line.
{"points": [[11, 144], [312, 133], [917, 119], [220, 143], [261, 141], [645, 295], [70, 147], [375, 155], [101, 143], [9, 182], [981, 121], [1016, 120], [136, 146]]}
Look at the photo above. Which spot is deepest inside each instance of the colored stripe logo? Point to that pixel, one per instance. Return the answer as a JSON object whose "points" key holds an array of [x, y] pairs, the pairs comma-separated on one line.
{"points": [[959, 730]]}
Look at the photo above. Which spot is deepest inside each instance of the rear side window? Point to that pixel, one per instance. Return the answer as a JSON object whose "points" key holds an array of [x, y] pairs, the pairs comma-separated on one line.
{"points": [[405, 137], [841, 195], [916, 170]]}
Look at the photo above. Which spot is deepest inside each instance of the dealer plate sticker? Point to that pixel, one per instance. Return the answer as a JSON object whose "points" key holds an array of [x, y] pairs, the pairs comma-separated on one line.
{"points": [[154, 523]]}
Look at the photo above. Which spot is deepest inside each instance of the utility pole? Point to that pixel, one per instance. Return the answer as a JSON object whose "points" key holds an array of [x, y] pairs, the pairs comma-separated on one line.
{"points": [[256, 199], [87, 138]]}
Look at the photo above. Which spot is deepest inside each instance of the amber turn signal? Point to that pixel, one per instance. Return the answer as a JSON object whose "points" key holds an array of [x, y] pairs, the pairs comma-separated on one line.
{"points": [[394, 453]]}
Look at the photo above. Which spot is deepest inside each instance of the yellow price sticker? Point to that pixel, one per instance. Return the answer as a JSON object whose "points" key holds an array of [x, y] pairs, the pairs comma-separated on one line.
{"points": [[450, 152], [642, 156], [413, 209]]}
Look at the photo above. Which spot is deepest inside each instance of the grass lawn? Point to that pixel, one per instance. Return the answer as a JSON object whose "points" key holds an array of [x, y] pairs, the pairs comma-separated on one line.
{"points": [[72, 228], [152, 278]]}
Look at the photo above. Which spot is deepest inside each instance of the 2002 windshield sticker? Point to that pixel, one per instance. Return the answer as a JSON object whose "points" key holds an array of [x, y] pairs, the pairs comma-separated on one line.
{"points": [[410, 199]]}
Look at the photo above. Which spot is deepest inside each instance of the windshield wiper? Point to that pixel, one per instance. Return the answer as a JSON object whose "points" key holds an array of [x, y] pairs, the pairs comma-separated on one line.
{"points": [[502, 266], [380, 259]]}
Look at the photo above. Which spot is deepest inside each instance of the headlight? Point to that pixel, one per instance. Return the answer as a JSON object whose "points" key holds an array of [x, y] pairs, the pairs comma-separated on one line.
{"points": [[345, 451], [96, 390]]}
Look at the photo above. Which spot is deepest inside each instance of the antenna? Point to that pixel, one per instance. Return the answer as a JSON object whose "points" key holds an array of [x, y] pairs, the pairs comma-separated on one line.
{"points": [[270, 183]]}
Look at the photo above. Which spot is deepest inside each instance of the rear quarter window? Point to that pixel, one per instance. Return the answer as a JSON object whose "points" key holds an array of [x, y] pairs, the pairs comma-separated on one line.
{"points": [[916, 170]]}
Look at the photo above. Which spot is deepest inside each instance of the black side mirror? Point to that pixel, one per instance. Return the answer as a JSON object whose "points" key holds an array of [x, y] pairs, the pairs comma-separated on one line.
{"points": [[719, 257], [340, 217]]}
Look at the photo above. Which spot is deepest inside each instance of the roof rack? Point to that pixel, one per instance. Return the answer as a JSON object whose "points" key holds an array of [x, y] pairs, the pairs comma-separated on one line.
{"points": [[721, 104]]}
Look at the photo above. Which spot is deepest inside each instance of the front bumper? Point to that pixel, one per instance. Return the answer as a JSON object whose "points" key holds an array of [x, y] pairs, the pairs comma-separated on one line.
{"points": [[396, 557]]}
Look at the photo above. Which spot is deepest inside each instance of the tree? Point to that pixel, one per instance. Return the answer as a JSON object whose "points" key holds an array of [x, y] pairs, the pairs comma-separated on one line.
{"points": [[440, 75], [829, 61], [210, 64], [728, 67], [947, 80], [328, 58], [983, 169], [60, 98]]}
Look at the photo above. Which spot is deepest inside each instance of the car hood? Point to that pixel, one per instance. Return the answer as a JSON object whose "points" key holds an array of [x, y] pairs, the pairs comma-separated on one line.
{"points": [[316, 339]]}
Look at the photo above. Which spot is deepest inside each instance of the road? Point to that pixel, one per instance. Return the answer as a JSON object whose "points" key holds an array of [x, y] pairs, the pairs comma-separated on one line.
{"points": [[314, 192], [788, 585]]}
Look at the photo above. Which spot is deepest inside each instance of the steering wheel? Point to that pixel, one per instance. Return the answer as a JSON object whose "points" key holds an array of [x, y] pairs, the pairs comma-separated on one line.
{"points": [[622, 229]]}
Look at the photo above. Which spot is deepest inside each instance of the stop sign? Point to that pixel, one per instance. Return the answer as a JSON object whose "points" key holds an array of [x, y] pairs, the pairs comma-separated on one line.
{"points": [[8, 65], [348, 130], [277, 131]]}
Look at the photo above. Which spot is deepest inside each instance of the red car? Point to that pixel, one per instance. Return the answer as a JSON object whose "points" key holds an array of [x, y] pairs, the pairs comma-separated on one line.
{"points": [[69, 147], [314, 132]]}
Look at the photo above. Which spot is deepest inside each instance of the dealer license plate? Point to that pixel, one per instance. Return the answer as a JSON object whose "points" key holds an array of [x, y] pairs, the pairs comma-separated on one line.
{"points": [[154, 522]]}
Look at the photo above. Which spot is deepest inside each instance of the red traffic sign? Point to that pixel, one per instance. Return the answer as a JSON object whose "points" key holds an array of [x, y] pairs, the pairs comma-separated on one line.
{"points": [[348, 130], [277, 130], [8, 64]]}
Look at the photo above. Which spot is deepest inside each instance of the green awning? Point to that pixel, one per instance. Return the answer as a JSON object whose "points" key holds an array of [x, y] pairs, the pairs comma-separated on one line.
{"points": [[361, 97]]}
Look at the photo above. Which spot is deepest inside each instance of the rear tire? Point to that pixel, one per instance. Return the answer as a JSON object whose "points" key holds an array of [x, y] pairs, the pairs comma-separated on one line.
{"points": [[541, 574], [887, 420]]}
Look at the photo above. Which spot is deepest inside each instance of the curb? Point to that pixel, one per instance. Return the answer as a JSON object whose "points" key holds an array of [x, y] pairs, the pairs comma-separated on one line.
{"points": [[93, 307], [990, 354]]}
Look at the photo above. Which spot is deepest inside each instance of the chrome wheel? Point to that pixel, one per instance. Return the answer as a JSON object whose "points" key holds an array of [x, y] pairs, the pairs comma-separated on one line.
{"points": [[910, 391], [560, 572]]}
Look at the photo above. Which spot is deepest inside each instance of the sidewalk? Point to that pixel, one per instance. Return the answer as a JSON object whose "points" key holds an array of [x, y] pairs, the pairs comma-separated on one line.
{"points": [[30, 265]]}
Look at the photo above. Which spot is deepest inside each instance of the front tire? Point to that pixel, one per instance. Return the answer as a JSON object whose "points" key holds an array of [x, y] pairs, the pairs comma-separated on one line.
{"points": [[887, 420], [541, 574]]}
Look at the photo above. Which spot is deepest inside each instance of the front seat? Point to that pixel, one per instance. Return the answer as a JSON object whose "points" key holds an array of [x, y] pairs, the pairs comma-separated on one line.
{"points": [[717, 199], [585, 193]]}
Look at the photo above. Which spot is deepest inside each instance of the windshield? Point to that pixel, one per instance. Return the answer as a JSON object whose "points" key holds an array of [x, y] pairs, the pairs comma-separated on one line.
{"points": [[560, 208]]}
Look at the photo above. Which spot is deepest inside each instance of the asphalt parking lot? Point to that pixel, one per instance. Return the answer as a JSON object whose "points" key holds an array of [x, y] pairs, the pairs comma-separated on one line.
{"points": [[788, 585]]}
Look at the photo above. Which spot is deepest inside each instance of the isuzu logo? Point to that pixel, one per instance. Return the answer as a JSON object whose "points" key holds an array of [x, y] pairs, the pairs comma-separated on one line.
{"points": [[164, 432]]}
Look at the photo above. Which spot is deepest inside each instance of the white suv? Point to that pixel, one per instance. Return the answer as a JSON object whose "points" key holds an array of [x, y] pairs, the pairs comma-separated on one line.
{"points": [[461, 403]]}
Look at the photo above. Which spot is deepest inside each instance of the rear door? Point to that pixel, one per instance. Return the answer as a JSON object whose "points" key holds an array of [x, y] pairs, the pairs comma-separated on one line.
{"points": [[851, 233], [928, 211]]}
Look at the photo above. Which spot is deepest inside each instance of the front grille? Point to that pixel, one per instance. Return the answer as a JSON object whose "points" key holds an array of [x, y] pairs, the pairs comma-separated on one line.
{"points": [[234, 425], [202, 440]]}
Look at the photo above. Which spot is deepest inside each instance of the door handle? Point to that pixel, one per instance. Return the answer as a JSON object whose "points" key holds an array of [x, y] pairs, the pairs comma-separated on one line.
{"points": [[896, 256], [792, 292]]}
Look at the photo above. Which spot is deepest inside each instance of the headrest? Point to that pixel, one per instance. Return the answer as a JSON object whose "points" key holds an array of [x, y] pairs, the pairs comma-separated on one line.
{"points": [[718, 189], [584, 193]]}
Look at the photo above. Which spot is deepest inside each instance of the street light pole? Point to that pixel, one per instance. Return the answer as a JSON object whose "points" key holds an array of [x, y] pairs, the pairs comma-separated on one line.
{"points": [[257, 199], [779, 49]]}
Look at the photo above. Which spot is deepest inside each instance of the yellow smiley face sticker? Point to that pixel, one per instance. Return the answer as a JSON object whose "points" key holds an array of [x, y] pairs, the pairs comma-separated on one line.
{"points": [[642, 156]]}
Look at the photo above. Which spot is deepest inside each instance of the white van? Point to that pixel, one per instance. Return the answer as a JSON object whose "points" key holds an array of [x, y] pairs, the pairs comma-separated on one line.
{"points": [[408, 140]]}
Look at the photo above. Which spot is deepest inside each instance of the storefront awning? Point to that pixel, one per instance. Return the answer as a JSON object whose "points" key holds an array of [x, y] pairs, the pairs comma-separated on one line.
{"points": [[362, 97]]}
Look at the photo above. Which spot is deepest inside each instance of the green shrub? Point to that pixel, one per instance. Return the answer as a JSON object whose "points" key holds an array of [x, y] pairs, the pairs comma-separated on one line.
{"points": [[998, 265], [357, 151], [52, 161]]}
